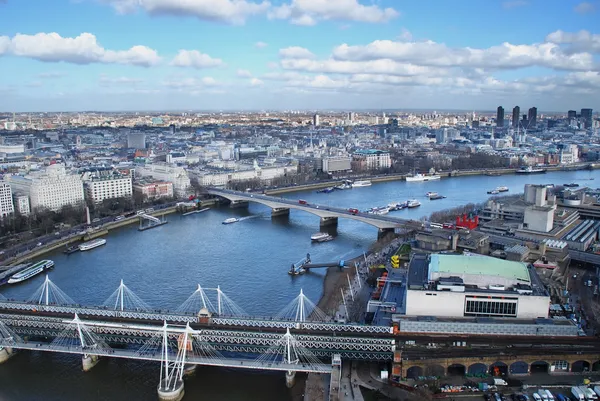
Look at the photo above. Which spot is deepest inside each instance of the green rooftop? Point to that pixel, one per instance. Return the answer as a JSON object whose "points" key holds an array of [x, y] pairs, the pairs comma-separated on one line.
{"points": [[478, 265]]}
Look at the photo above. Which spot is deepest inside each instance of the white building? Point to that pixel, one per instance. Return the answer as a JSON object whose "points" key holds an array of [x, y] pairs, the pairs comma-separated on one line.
{"points": [[106, 184], [52, 188], [474, 286], [154, 190], [265, 174], [6, 201], [22, 204], [164, 172], [540, 215], [9, 149], [374, 159], [136, 140], [337, 163]]}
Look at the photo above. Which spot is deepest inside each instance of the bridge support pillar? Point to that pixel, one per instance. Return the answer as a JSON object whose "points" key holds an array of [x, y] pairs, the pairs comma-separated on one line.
{"points": [[89, 361], [238, 204], [290, 378], [329, 221], [5, 354], [171, 393], [282, 211], [383, 232]]}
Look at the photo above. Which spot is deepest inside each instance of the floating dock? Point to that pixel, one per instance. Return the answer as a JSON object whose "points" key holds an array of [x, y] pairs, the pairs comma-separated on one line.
{"points": [[152, 225], [196, 211], [152, 222]]}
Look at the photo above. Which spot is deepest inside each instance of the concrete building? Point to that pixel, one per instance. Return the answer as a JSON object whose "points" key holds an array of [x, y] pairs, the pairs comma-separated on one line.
{"points": [[461, 286], [6, 200], [10, 149], [539, 216], [336, 164], [52, 188], [21, 203], [136, 140], [165, 172], [264, 174], [373, 159], [154, 189], [101, 184]]}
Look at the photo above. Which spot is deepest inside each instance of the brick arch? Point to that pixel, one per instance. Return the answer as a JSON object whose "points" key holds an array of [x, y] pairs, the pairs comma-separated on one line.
{"points": [[518, 368], [498, 368], [457, 369], [435, 370], [539, 367], [596, 366], [580, 366], [477, 369], [414, 372]]}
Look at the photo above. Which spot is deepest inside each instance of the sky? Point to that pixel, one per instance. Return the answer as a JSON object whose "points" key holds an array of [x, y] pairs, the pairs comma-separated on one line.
{"points": [[129, 55]]}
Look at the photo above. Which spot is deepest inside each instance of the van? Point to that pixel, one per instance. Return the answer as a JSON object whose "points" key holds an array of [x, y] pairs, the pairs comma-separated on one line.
{"points": [[139, 212], [537, 397], [543, 394], [548, 394]]}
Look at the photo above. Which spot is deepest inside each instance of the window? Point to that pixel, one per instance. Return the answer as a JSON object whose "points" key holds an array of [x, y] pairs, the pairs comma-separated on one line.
{"points": [[490, 308]]}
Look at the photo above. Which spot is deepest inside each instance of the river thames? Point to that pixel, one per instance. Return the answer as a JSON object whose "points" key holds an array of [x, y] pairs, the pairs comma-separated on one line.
{"points": [[249, 260]]}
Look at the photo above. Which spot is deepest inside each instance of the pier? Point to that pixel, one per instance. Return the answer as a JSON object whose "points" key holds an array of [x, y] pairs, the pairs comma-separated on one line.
{"points": [[152, 222]]}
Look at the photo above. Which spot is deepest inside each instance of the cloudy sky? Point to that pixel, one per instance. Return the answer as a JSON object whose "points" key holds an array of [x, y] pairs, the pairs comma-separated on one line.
{"points": [[112, 55]]}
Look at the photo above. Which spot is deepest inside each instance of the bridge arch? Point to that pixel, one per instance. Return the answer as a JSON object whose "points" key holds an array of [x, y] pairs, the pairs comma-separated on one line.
{"points": [[498, 368], [477, 369], [414, 372], [457, 369], [596, 366], [435, 370], [539, 367], [580, 366], [519, 368]]}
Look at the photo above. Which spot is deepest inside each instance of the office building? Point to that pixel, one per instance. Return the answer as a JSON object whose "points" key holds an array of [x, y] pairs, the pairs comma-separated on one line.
{"points": [[500, 117], [336, 164], [586, 117], [51, 189], [153, 189], [515, 116], [136, 140], [6, 200], [101, 184], [165, 172], [461, 286], [571, 114], [532, 117], [316, 120], [21, 203], [373, 159]]}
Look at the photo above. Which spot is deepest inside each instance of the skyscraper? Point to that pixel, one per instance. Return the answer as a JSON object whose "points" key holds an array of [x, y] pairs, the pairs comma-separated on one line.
{"points": [[316, 120], [571, 114], [500, 117], [586, 116], [532, 117], [515, 117]]}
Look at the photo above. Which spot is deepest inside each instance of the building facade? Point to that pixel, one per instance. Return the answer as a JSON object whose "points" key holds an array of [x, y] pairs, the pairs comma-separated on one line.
{"points": [[336, 164], [154, 189], [136, 140], [101, 185], [51, 189], [22, 204], [6, 200], [165, 172], [373, 159]]}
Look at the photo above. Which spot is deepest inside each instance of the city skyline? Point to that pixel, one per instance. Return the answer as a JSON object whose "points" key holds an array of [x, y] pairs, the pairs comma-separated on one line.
{"points": [[123, 55]]}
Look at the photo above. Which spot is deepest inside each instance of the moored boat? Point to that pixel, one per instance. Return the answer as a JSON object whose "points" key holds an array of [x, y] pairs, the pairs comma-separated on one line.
{"points": [[86, 246], [421, 178], [31, 271], [364, 183], [530, 170], [436, 197], [413, 203], [430, 194]]}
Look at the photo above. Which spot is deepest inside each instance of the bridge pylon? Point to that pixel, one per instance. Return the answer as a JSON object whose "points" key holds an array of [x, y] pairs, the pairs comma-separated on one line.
{"points": [[302, 309], [170, 387], [123, 299], [49, 294]]}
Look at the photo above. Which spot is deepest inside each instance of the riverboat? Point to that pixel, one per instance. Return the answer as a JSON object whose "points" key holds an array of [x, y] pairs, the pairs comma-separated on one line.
{"points": [[231, 220], [321, 237], [365, 183], [502, 189], [421, 177], [436, 197], [530, 170], [31, 271], [86, 246], [413, 203]]}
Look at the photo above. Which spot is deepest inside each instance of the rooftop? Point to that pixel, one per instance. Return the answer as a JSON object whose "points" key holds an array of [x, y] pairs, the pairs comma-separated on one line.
{"points": [[478, 265]]}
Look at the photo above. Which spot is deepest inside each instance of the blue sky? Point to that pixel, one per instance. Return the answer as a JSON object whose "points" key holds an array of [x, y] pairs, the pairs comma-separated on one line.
{"points": [[111, 55]]}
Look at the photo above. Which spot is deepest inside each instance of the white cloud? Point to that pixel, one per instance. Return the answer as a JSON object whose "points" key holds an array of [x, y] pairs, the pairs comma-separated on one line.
{"points": [[184, 84], [51, 75], [226, 11], [256, 82], [296, 52], [244, 73], [308, 12], [195, 59], [83, 49], [209, 81], [585, 8], [260, 45], [106, 80], [504, 56], [578, 42]]}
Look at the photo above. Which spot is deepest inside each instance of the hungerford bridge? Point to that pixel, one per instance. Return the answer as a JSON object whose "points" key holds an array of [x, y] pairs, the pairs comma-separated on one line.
{"points": [[202, 331], [329, 215]]}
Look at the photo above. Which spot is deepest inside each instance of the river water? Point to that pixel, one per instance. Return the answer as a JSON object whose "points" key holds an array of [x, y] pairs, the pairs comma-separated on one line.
{"points": [[249, 260]]}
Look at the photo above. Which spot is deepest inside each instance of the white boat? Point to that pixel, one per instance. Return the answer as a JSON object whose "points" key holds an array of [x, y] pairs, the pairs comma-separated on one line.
{"points": [[231, 220], [31, 271], [421, 178], [320, 237], [365, 183], [413, 203], [86, 246], [502, 189], [431, 194], [530, 170]]}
